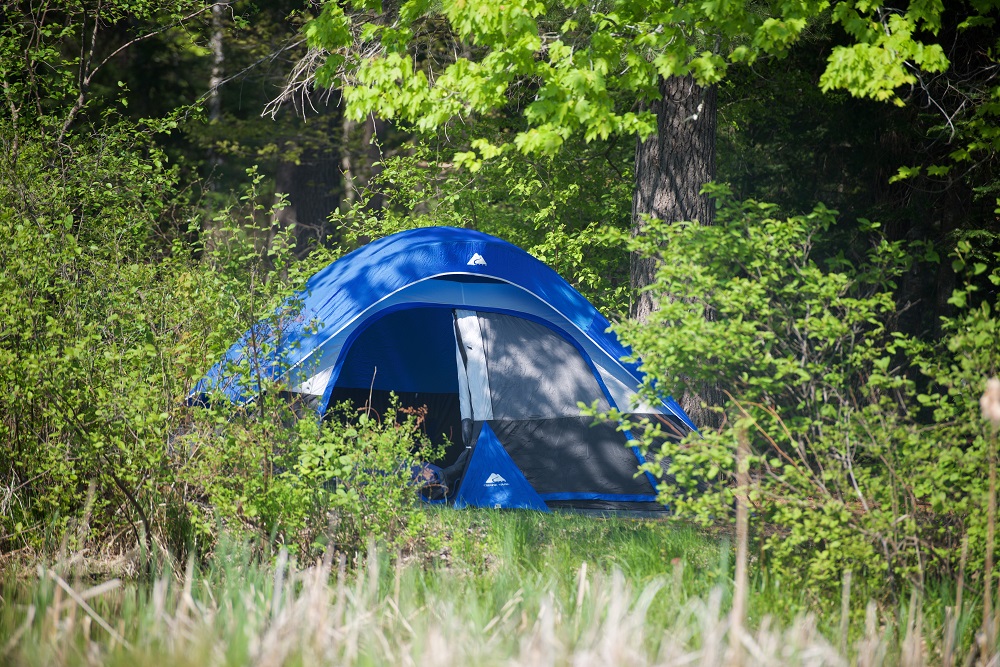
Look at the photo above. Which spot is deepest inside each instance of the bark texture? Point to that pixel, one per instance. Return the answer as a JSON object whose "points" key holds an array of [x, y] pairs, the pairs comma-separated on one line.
{"points": [[670, 169]]}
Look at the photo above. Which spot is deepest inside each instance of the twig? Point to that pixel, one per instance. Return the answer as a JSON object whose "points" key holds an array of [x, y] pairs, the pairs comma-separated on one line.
{"points": [[371, 390]]}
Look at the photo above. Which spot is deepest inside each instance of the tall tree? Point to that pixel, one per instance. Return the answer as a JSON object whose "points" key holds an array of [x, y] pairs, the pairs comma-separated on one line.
{"points": [[671, 166]]}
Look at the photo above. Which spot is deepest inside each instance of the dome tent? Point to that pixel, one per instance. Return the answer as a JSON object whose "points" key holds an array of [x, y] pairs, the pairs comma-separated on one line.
{"points": [[499, 348]]}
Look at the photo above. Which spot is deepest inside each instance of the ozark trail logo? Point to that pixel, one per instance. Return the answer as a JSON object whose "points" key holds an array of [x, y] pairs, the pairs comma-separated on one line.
{"points": [[495, 480], [477, 260]]}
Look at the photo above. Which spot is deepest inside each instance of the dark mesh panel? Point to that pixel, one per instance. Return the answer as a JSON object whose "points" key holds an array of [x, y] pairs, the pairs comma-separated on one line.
{"points": [[534, 372], [568, 455], [443, 424]]}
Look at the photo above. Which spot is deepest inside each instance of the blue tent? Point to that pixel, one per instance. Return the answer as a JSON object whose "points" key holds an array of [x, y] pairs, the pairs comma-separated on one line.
{"points": [[481, 333]]}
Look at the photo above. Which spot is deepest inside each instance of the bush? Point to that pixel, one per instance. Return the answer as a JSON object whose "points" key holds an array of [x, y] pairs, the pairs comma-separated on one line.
{"points": [[310, 485], [94, 340], [868, 449]]}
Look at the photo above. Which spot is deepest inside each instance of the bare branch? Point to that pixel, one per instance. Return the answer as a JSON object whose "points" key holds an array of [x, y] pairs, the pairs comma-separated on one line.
{"points": [[300, 83]]}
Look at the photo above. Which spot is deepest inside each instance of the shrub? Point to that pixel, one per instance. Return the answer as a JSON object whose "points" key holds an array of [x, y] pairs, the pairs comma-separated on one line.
{"points": [[868, 451], [92, 339], [310, 485]]}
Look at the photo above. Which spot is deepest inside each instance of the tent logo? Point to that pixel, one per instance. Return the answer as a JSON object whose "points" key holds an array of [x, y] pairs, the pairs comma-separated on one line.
{"points": [[495, 480], [476, 260]]}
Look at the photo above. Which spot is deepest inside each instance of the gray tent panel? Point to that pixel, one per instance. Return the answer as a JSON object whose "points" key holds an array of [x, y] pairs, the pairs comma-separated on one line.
{"points": [[626, 398], [534, 373]]}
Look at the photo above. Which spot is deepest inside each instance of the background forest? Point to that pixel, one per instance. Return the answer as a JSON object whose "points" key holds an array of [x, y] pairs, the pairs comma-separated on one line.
{"points": [[789, 209]]}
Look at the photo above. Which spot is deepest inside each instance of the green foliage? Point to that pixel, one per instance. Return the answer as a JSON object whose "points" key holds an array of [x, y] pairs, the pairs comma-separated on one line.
{"points": [[103, 328], [106, 327], [868, 453], [371, 463], [117, 295], [587, 66], [308, 485], [750, 293], [539, 204], [954, 454], [888, 53], [89, 346]]}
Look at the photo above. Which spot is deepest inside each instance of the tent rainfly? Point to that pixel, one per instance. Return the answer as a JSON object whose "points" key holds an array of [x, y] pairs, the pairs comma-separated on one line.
{"points": [[499, 348]]}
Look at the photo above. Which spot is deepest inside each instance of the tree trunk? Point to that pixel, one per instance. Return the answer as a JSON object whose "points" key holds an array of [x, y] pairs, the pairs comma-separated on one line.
{"points": [[361, 160], [670, 169], [308, 173], [215, 80], [317, 187]]}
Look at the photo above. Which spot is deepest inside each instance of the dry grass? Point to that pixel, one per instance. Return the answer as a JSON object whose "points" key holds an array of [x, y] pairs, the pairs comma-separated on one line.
{"points": [[408, 615]]}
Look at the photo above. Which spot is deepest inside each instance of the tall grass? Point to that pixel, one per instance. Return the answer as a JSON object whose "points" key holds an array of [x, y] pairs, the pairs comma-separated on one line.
{"points": [[507, 588], [376, 614]]}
